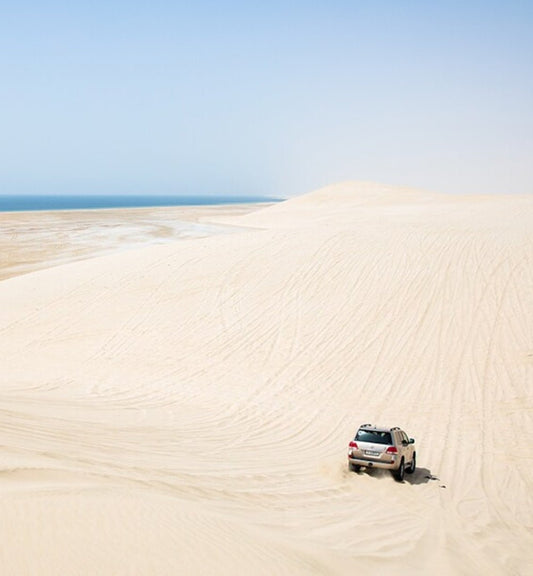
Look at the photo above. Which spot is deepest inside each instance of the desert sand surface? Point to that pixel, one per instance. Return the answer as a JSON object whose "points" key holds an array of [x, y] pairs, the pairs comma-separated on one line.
{"points": [[186, 408]]}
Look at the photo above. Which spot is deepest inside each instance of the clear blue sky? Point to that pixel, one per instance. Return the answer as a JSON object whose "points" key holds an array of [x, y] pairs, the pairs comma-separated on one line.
{"points": [[265, 97]]}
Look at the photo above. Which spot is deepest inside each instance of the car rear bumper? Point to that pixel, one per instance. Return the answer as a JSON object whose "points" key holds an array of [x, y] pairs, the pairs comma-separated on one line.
{"points": [[391, 465]]}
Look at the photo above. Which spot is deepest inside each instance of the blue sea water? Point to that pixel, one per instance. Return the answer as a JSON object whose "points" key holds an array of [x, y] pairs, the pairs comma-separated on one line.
{"points": [[23, 203]]}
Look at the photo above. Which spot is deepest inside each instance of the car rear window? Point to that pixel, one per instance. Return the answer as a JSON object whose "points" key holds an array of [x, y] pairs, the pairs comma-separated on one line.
{"points": [[373, 436]]}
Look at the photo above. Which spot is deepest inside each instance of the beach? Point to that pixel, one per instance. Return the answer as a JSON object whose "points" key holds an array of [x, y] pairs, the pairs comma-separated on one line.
{"points": [[186, 407], [33, 240]]}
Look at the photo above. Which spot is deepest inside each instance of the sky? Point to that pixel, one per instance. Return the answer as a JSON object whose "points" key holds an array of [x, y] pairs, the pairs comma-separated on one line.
{"points": [[270, 98]]}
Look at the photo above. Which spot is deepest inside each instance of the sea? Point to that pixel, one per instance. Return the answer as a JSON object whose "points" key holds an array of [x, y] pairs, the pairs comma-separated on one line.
{"points": [[35, 202]]}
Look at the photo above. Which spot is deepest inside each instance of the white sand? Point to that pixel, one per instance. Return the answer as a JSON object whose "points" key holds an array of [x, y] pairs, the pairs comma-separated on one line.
{"points": [[186, 408]]}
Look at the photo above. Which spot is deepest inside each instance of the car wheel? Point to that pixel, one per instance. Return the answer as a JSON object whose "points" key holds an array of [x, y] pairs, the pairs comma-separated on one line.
{"points": [[412, 466], [354, 467], [400, 473]]}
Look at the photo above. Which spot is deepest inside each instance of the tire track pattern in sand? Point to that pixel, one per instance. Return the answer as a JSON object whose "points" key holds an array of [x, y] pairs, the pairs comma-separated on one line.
{"points": [[260, 354]]}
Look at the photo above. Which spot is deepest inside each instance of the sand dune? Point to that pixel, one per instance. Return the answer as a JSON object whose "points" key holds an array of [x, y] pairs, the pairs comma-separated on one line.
{"points": [[186, 408]]}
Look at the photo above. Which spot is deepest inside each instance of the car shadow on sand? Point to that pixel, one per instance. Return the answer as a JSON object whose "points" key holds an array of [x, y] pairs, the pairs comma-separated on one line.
{"points": [[420, 475]]}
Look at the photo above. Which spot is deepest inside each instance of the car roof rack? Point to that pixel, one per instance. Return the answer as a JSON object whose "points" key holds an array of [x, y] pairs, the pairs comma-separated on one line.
{"points": [[365, 425], [395, 428]]}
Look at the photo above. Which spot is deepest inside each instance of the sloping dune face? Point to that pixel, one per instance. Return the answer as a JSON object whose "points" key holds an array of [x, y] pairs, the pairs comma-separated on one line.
{"points": [[186, 409]]}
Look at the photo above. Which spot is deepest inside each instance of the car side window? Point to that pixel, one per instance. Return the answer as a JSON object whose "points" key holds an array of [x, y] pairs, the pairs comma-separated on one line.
{"points": [[404, 438]]}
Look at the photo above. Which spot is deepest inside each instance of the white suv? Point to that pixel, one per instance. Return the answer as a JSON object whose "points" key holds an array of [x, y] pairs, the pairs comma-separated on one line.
{"points": [[379, 447]]}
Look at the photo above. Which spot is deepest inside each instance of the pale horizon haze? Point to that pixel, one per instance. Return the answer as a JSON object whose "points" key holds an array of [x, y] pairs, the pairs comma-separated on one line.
{"points": [[264, 98]]}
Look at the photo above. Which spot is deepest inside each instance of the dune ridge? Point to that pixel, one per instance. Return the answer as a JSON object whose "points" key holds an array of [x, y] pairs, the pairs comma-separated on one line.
{"points": [[186, 408]]}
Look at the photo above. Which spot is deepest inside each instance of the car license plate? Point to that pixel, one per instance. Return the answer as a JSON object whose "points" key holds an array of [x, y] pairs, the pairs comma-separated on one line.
{"points": [[371, 453]]}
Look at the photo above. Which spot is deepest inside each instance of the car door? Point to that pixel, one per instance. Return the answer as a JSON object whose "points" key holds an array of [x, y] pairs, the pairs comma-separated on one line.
{"points": [[407, 448]]}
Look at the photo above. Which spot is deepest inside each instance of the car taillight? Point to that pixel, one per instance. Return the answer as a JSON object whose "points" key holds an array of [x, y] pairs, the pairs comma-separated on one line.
{"points": [[392, 450], [354, 445]]}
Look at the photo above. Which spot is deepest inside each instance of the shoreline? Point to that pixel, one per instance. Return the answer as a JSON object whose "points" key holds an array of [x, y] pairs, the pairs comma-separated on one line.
{"points": [[33, 240], [12, 203]]}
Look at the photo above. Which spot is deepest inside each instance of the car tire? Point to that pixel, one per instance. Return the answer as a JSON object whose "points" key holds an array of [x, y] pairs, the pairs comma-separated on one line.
{"points": [[400, 473], [354, 467], [412, 466]]}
